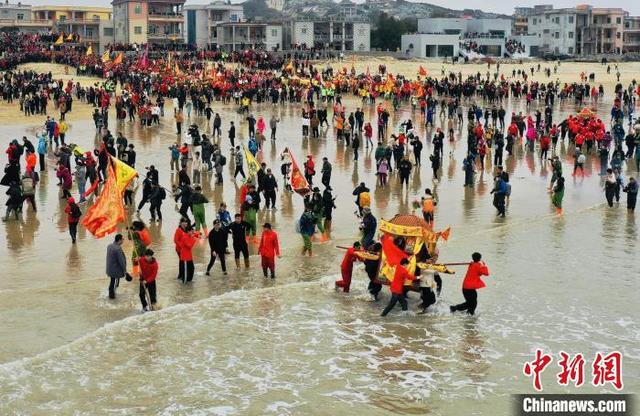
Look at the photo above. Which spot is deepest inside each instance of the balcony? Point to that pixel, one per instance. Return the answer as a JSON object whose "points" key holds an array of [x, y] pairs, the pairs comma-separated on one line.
{"points": [[26, 23], [177, 36], [166, 17]]}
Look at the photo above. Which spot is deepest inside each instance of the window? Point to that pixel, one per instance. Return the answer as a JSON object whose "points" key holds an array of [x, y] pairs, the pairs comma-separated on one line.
{"points": [[618, 35], [20, 16], [233, 18], [274, 32], [107, 31], [545, 31], [570, 19], [608, 20], [62, 18], [138, 9], [95, 18], [570, 50], [557, 35], [570, 35], [618, 20], [558, 20], [535, 21], [137, 30], [303, 30], [89, 33], [595, 20]]}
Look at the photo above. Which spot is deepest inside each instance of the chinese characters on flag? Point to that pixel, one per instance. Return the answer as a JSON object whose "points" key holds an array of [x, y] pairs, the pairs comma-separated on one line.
{"points": [[606, 369]]}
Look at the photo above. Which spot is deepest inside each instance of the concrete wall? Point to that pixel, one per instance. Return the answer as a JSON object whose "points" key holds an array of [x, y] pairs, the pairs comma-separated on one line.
{"points": [[489, 25], [440, 24], [430, 45], [559, 23], [200, 25], [302, 33], [361, 37], [104, 37], [273, 37]]}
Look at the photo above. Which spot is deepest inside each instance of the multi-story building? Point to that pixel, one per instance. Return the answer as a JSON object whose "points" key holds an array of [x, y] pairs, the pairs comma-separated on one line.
{"points": [[333, 34], [604, 33], [18, 17], [580, 30], [148, 21], [91, 23], [233, 36], [202, 21], [452, 37], [631, 35]]}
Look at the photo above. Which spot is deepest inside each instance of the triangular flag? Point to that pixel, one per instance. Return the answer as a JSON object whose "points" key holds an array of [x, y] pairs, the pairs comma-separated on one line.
{"points": [[70, 37], [89, 50], [118, 59], [106, 56], [60, 40], [422, 71]]}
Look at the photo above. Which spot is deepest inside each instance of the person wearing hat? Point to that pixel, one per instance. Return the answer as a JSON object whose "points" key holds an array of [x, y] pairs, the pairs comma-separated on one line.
{"points": [[346, 268], [269, 248], [148, 273], [116, 264], [218, 244], [328, 204]]}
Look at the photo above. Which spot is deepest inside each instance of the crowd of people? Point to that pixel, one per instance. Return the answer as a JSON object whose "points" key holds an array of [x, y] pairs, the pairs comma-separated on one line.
{"points": [[195, 87]]}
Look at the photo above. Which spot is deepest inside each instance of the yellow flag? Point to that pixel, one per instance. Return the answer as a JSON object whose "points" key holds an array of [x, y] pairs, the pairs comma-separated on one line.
{"points": [[70, 37], [106, 56], [60, 40], [252, 164], [169, 61], [89, 50], [124, 173], [289, 66]]}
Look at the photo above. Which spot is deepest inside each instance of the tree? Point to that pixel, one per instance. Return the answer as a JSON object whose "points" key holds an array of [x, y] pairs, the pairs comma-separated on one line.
{"points": [[388, 31]]}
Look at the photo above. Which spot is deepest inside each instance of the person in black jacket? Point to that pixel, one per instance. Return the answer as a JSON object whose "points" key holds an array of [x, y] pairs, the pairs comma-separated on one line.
{"points": [[269, 187], [218, 244], [239, 229]]}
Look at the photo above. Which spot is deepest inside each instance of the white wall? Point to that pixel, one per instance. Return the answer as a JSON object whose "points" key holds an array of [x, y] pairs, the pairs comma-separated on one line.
{"points": [[420, 42], [302, 33], [548, 42], [439, 24], [273, 37], [361, 37]]}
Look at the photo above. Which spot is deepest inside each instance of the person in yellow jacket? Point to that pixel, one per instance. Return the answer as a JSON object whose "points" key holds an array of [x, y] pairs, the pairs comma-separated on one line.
{"points": [[62, 130]]}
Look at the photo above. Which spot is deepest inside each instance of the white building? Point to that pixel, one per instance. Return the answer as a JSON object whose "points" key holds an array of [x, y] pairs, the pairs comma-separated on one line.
{"points": [[452, 37], [338, 35], [203, 20]]}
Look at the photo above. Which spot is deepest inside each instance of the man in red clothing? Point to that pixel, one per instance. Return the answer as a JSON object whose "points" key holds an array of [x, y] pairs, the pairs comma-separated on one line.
{"points": [[148, 274], [185, 239], [471, 283], [73, 216], [269, 249], [347, 267], [397, 287]]}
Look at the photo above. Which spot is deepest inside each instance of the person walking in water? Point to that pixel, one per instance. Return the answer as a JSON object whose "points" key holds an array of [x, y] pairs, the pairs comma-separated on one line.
{"points": [[471, 283], [397, 287], [148, 273], [346, 268], [269, 249], [558, 195], [116, 264], [218, 242]]}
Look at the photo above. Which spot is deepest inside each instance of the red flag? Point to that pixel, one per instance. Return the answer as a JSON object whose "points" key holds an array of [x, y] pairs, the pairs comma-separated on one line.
{"points": [[118, 60], [392, 253], [298, 181], [103, 216], [422, 71]]}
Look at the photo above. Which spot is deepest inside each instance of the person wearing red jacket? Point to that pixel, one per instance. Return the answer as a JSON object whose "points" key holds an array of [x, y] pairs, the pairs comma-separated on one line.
{"points": [[471, 283], [400, 276], [73, 216], [185, 239], [148, 274], [346, 268], [269, 249]]}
